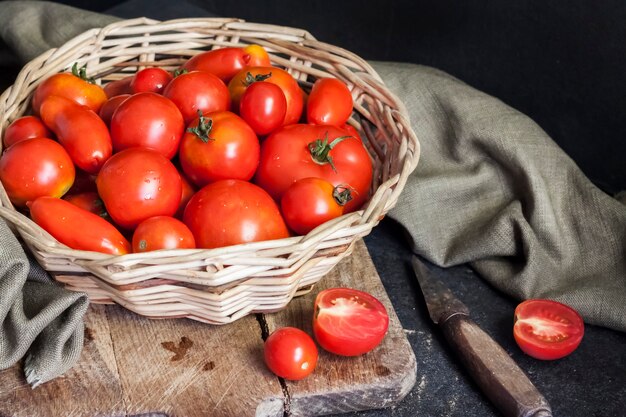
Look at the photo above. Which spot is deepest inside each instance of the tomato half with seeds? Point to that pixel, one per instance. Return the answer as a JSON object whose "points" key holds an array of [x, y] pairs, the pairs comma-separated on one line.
{"points": [[546, 329], [349, 322], [290, 353]]}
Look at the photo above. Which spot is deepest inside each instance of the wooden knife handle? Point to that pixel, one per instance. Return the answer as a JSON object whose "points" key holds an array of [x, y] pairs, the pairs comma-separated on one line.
{"points": [[506, 385]]}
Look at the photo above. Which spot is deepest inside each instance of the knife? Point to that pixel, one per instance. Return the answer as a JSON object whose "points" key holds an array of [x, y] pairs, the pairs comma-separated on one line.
{"points": [[497, 375]]}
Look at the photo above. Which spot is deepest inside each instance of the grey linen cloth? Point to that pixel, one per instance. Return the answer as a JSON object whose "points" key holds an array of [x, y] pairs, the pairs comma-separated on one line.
{"points": [[491, 189]]}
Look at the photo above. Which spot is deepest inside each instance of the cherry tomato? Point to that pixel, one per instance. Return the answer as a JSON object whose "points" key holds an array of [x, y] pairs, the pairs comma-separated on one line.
{"points": [[150, 80], [309, 202], [300, 151], [89, 201], [219, 146], [292, 91], [263, 106], [226, 62], [330, 102], [81, 132], [26, 127], [109, 107], [546, 329], [118, 87], [348, 322], [197, 90], [138, 183], [76, 227], [148, 120], [230, 212], [290, 353], [36, 167], [162, 232], [73, 87]]}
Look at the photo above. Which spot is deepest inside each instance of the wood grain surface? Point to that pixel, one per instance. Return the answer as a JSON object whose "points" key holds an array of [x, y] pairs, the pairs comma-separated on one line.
{"points": [[135, 366]]}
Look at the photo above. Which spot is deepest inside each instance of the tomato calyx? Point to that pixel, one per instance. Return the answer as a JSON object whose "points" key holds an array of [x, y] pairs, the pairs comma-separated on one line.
{"points": [[250, 79], [82, 73], [320, 150], [180, 71], [203, 130], [342, 194]]}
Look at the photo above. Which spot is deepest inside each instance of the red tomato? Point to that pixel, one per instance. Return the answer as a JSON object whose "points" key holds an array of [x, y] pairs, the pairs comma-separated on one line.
{"points": [[148, 120], [26, 127], [36, 167], [230, 212], [263, 106], [89, 201], [290, 353], [349, 322], [188, 192], [300, 151], [76, 227], [162, 232], [71, 87], [546, 329], [198, 90], [226, 62], [219, 146], [118, 87], [329, 103], [351, 130], [309, 202], [292, 91], [138, 183], [150, 80], [109, 107], [81, 132]]}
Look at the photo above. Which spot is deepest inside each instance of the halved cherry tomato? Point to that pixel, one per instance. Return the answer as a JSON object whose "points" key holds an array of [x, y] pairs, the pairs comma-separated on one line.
{"points": [[293, 93], [197, 90], [118, 87], [150, 80], [109, 107], [82, 132], [148, 120], [349, 322], [36, 167], [89, 201], [26, 127], [230, 212], [72, 86], [309, 202], [76, 227], [329, 103], [263, 106], [162, 232], [546, 329], [290, 353], [226, 62]]}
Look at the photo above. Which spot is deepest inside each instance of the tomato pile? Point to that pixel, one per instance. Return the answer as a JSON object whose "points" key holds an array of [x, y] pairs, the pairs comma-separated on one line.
{"points": [[227, 150]]}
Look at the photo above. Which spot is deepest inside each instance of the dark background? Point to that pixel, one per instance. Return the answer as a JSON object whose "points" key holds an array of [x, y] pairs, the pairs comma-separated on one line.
{"points": [[561, 63]]}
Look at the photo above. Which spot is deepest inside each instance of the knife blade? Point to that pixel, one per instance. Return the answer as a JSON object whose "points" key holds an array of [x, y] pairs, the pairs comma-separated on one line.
{"points": [[497, 375]]}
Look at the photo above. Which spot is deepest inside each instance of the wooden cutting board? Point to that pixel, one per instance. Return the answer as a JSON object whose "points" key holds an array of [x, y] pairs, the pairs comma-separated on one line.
{"points": [[133, 366]]}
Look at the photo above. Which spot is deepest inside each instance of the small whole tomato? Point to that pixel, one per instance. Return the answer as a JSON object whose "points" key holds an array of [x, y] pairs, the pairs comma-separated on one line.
{"points": [[309, 202], [72, 86], [26, 127], [76, 227], [197, 90], [349, 322], [138, 183], [226, 62], [263, 106], [150, 80], [220, 145], [36, 167], [329, 103], [118, 87], [148, 120], [109, 107], [290, 353], [89, 201], [162, 232], [230, 212], [546, 329]]}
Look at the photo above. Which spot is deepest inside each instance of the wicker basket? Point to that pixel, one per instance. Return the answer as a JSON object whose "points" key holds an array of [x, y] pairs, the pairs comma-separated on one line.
{"points": [[219, 285]]}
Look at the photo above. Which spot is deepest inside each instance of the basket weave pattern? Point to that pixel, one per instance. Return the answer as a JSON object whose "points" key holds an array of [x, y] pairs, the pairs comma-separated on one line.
{"points": [[218, 285]]}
